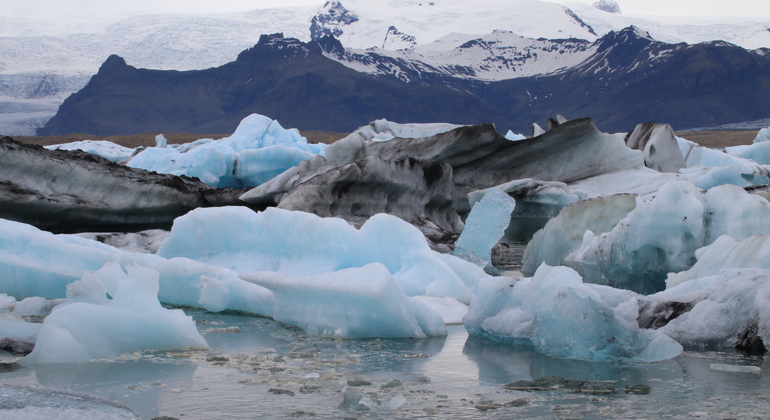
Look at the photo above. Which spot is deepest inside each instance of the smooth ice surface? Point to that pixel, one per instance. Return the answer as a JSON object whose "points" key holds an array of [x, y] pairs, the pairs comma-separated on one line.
{"points": [[354, 302], [258, 150], [484, 227], [106, 149], [565, 318], [303, 244], [110, 313]]}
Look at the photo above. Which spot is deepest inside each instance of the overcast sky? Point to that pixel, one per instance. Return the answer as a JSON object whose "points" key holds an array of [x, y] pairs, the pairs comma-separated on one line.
{"points": [[109, 9]]}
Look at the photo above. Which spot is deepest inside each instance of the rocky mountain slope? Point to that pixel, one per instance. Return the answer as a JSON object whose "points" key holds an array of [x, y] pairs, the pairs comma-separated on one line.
{"points": [[42, 62]]}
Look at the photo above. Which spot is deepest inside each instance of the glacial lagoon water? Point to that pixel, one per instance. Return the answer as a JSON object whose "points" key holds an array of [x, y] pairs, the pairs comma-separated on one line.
{"points": [[259, 368]]}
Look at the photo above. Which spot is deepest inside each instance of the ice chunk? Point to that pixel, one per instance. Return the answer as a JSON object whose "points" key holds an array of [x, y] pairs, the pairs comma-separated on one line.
{"points": [[34, 306], [384, 130], [565, 233], [708, 168], [133, 320], [302, 244], [763, 135], [356, 303], [510, 135], [725, 253], [730, 310], [41, 264], [258, 150], [106, 149], [37, 263], [659, 145], [19, 329], [658, 237], [161, 141], [722, 367], [484, 227], [565, 318]]}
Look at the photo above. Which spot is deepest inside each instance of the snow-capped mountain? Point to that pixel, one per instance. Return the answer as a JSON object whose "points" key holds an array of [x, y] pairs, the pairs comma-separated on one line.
{"points": [[498, 56], [623, 78], [484, 40]]}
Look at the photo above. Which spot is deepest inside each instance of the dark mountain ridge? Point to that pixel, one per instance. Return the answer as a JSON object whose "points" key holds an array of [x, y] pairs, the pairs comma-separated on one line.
{"points": [[630, 78]]}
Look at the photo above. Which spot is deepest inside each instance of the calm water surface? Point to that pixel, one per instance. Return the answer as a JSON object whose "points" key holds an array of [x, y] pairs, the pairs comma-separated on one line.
{"points": [[254, 372]]}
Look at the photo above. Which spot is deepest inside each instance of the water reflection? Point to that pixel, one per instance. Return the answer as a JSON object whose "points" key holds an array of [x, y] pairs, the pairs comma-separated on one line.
{"points": [[442, 376]]}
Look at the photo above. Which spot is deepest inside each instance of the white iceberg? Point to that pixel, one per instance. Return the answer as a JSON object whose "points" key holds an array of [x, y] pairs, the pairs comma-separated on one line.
{"points": [[106, 149], [98, 324], [258, 150], [384, 130], [565, 318]]}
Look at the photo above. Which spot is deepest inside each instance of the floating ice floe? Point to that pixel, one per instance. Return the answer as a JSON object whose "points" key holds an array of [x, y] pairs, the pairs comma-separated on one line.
{"points": [[708, 168], [566, 318], [258, 150], [657, 236], [659, 145], [110, 313]]}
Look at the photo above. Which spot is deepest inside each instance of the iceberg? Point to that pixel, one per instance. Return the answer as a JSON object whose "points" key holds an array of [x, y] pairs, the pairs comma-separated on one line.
{"points": [[75, 191], [725, 310], [93, 326], [484, 227], [659, 235], [566, 318], [302, 244], [480, 158], [257, 151], [384, 130]]}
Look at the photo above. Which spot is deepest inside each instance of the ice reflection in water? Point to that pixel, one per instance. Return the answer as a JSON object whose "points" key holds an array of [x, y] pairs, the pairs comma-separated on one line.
{"points": [[449, 377]]}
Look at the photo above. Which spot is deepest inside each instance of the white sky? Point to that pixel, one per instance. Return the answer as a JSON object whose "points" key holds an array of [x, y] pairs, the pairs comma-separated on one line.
{"points": [[81, 10]]}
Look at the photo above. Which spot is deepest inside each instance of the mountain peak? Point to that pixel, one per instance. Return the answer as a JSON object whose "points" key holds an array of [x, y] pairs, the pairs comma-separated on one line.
{"points": [[330, 20], [609, 6]]}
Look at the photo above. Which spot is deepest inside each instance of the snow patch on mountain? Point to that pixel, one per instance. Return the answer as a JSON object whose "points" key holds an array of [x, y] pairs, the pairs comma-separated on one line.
{"points": [[498, 56]]}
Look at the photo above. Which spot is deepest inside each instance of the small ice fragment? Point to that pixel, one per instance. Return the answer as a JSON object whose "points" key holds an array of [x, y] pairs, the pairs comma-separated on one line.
{"points": [[394, 403], [723, 367], [484, 227], [160, 141]]}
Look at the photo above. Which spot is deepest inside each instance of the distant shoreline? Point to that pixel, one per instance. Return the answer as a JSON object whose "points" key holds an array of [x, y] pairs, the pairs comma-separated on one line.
{"points": [[710, 138]]}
